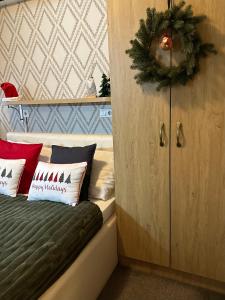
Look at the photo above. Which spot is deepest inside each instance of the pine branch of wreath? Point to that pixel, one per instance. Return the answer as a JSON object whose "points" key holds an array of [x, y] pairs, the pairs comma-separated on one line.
{"points": [[180, 22]]}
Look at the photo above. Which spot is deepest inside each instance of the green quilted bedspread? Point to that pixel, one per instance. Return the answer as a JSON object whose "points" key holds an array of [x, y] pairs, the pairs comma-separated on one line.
{"points": [[39, 241]]}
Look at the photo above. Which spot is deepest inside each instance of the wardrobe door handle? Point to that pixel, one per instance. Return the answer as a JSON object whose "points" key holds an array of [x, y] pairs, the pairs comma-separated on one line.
{"points": [[162, 141], [179, 134]]}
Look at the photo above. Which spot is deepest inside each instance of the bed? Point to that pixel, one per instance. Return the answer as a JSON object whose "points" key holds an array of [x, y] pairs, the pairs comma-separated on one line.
{"points": [[87, 275]]}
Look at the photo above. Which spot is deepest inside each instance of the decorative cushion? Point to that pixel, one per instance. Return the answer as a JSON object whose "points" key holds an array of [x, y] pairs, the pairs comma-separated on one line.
{"points": [[102, 182], [10, 175], [57, 182], [68, 155], [29, 152], [45, 154]]}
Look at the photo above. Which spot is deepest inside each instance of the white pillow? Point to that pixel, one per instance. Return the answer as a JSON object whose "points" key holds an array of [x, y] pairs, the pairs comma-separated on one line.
{"points": [[102, 183], [10, 174], [45, 154], [57, 182]]}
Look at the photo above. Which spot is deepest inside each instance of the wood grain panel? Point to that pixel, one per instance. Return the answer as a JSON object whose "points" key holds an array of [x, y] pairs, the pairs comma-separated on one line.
{"points": [[198, 168], [142, 167]]}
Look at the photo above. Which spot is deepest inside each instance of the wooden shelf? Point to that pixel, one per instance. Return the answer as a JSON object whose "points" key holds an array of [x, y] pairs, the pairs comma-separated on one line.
{"points": [[99, 100]]}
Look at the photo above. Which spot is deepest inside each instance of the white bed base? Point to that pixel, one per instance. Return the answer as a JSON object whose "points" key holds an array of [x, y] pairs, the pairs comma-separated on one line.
{"points": [[86, 277]]}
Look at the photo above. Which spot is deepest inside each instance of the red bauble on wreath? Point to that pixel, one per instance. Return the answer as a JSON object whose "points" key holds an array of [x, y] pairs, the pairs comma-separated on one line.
{"points": [[166, 42]]}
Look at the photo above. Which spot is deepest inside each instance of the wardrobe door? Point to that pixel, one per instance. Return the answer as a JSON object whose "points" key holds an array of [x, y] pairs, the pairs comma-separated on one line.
{"points": [[141, 165], [198, 167]]}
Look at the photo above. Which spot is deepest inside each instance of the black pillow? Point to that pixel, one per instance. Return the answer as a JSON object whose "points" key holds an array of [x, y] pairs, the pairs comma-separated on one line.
{"points": [[70, 155]]}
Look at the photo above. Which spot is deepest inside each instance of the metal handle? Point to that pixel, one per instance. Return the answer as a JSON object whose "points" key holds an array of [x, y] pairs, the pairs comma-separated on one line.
{"points": [[179, 133], [162, 141]]}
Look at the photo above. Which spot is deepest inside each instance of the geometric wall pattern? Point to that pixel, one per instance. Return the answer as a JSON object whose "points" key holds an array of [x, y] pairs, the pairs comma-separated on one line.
{"points": [[49, 49]]}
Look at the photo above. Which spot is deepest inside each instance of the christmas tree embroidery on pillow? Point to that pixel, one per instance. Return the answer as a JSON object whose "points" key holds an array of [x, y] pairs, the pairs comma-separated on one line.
{"points": [[51, 177], [4, 172]]}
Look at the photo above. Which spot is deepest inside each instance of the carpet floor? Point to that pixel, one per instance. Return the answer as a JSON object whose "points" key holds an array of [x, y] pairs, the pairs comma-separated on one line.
{"points": [[125, 284]]}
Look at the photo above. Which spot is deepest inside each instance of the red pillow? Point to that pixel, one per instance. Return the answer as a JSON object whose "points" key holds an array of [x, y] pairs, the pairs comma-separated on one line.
{"points": [[30, 152]]}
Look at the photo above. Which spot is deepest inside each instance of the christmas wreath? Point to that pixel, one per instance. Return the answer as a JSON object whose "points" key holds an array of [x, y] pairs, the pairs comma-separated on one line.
{"points": [[177, 25]]}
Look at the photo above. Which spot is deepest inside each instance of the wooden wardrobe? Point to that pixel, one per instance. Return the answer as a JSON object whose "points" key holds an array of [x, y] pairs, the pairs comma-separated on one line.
{"points": [[170, 200]]}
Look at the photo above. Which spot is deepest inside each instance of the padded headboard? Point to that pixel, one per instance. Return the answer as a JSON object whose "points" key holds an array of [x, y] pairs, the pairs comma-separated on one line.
{"points": [[68, 140]]}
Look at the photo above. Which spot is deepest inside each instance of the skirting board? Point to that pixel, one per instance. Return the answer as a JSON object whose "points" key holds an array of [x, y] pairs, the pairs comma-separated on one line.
{"points": [[186, 278], [89, 273]]}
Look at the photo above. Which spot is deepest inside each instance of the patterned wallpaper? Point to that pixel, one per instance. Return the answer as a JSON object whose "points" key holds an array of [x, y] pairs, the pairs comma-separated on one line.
{"points": [[49, 49]]}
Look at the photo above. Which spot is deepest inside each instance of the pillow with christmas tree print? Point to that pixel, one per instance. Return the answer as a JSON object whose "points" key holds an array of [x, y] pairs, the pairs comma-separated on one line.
{"points": [[10, 174], [57, 182]]}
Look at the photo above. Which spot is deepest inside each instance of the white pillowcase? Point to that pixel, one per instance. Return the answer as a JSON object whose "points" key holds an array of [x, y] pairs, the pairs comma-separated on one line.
{"points": [[10, 174], [45, 154], [57, 182], [102, 183]]}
